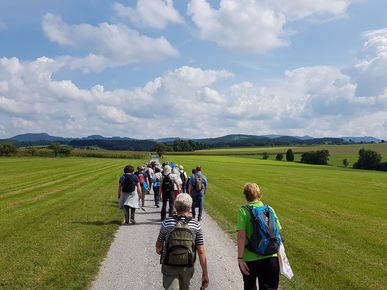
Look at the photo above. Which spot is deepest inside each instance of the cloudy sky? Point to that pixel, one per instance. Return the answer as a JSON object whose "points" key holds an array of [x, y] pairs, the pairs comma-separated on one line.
{"points": [[193, 68]]}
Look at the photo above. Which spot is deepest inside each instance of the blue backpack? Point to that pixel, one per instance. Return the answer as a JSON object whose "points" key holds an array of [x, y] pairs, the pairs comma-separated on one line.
{"points": [[266, 238]]}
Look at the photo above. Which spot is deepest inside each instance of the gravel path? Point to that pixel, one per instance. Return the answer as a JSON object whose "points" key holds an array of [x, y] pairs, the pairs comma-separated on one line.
{"points": [[132, 262]]}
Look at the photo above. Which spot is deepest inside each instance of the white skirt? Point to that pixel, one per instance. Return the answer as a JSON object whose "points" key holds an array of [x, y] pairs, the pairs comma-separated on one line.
{"points": [[130, 199]]}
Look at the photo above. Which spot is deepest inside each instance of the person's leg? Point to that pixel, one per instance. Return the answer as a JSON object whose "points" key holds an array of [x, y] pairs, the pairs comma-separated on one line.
{"points": [[201, 205], [250, 281], [185, 276], [171, 203], [132, 213], [156, 195], [164, 207], [194, 197], [268, 274], [126, 213], [170, 277]]}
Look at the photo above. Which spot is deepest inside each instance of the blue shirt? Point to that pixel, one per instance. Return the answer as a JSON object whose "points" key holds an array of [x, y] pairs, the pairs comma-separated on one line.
{"points": [[134, 178], [192, 180]]}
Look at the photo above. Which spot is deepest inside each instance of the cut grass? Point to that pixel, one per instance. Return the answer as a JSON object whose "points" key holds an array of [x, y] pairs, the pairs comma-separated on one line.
{"points": [[58, 218], [334, 219]]}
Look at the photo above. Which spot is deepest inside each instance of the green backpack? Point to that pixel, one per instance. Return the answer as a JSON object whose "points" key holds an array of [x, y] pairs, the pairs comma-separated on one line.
{"points": [[180, 246]]}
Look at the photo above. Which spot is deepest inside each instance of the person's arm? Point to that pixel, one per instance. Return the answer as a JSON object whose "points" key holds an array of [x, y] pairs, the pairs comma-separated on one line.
{"points": [[159, 247], [241, 241], [119, 190], [189, 187], [139, 191], [203, 265]]}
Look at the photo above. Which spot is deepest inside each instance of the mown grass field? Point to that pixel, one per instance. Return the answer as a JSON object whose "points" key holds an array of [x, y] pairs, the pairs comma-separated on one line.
{"points": [[334, 219], [337, 152], [57, 220], [58, 217]]}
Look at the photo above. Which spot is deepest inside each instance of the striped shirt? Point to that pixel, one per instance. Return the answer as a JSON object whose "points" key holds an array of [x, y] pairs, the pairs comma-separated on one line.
{"points": [[169, 224]]}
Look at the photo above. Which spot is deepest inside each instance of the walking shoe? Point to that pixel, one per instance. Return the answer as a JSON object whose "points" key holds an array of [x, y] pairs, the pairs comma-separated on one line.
{"points": [[132, 221], [199, 219]]}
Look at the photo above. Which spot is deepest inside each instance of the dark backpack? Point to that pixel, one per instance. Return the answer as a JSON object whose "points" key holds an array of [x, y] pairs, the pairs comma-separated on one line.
{"points": [[182, 177], [198, 186], [266, 237], [128, 184], [167, 185], [180, 245]]}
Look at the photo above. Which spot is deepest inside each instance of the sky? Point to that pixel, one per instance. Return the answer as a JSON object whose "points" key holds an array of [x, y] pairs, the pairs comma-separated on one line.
{"points": [[193, 68]]}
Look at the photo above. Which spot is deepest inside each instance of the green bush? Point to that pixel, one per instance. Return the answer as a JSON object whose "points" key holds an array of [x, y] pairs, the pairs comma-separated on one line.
{"points": [[7, 149]]}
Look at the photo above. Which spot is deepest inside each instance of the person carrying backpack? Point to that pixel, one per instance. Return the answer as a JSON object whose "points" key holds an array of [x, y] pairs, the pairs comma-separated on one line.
{"points": [[179, 239], [167, 191], [128, 190], [258, 241], [197, 189], [183, 177], [156, 186]]}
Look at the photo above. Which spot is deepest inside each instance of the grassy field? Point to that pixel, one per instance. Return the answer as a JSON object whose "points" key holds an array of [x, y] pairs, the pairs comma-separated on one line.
{"points": [[337, 152], [58, 217], [334, 219], [57, 220]]}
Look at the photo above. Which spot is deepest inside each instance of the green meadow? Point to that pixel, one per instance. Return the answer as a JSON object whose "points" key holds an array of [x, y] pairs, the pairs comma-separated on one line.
{"points": [[334, 219], [337, 152], [58, 217]]}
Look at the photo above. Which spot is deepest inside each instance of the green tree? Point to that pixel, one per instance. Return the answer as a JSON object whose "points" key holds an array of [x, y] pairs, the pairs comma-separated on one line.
{"points": [[8, 149], [265, 155], [368, 159], [289, 155], [319, 157], [345, 162], [279, 156], [65, 150], [160, 149], [55, 147], [31, 150]]}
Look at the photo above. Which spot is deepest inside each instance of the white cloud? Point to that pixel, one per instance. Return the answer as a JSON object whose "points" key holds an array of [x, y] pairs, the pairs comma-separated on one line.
{"points": [[256, 26], [242, 25], [371, 71], [155, 13], [192, 102], [107, 45]]}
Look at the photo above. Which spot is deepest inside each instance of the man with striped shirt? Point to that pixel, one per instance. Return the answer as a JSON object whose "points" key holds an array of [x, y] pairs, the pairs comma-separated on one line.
{"points": [[177, 277]]}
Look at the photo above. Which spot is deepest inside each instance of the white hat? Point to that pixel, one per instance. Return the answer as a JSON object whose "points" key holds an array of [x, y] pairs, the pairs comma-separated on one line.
{"points": [[167, 169]]}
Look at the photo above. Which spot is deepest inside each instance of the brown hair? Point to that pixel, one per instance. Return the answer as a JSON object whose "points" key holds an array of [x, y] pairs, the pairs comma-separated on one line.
{"points": [[252, 191], [128, 169]]}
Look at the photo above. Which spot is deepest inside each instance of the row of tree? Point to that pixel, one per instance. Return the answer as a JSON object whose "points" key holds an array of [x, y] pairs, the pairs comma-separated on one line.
{"points": [[9, 148]]}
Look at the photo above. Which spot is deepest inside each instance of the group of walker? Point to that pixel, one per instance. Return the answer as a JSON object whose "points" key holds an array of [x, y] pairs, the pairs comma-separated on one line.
{"points": [[170, 184]]}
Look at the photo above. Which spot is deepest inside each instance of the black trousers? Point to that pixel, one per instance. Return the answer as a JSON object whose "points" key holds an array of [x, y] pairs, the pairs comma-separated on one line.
{"points": [[132, 210], [266, 270], [167, 197]]}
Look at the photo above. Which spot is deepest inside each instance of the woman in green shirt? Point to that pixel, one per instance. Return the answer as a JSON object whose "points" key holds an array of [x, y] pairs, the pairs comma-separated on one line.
{"points": [[252, 265]]}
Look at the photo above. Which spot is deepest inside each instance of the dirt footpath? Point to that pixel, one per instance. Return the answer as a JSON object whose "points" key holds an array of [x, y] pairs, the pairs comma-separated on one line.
{"points": [[132, 262]]}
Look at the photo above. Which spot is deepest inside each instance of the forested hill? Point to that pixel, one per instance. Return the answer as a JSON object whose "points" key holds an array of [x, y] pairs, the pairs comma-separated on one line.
{"points": [[177, 144]]}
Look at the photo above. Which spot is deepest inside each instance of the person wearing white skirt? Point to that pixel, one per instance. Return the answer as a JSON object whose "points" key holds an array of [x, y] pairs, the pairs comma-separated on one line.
{"points": [[129, 190]]}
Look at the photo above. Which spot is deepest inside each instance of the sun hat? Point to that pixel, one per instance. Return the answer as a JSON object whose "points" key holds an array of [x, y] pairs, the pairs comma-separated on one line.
{"points": [[167, 169]]}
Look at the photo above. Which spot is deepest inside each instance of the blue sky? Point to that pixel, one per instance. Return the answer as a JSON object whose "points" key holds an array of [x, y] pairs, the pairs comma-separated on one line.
{"points": [[193, 68]]}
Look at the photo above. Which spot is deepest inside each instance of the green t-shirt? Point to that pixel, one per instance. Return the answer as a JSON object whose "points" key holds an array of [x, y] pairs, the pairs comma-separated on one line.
{"points": [[244, 223]]}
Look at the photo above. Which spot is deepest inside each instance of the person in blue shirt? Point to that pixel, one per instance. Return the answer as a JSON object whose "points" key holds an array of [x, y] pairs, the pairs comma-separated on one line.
{"points": [[197, 189]]}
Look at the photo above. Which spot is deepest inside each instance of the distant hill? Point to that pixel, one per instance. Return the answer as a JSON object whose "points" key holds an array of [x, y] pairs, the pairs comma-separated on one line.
{"points": [[366, 139], [232, 140], [33, 137]]}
